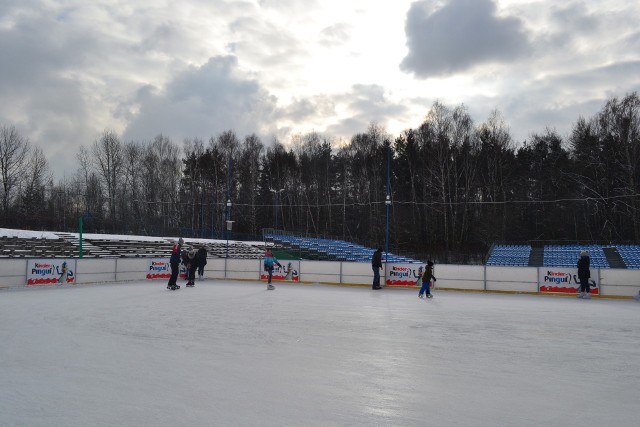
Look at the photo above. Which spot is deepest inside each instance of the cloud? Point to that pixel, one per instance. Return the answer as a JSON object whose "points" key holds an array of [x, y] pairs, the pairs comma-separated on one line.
{"points": [[201, 102], [365, 104], [458, 36], [335, 35]]}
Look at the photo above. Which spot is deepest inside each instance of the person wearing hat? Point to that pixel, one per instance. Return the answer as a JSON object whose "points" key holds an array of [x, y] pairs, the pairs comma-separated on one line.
{"points": [[376, 265], [174, 261], [426, 279], [190, 261], [584, 274]]}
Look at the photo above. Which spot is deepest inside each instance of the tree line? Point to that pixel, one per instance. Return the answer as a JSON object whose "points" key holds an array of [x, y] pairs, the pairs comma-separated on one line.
{"points": [[452, 187]]}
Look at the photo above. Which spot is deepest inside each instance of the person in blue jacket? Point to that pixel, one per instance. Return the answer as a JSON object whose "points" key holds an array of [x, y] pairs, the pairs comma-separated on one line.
{"points": [[269, 261]]}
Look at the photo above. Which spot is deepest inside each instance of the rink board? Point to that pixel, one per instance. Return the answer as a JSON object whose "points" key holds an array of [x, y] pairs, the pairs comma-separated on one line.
{"points": [[612, 282]]}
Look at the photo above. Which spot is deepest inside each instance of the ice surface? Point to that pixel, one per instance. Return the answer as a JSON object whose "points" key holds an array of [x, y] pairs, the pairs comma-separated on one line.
{"points": [[232, 353]]}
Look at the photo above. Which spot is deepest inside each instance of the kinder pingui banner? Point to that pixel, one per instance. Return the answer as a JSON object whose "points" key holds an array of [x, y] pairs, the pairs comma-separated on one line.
{"points": [[288, 271], [160, 268], [565, 280], [51, 271], [403, 274]]}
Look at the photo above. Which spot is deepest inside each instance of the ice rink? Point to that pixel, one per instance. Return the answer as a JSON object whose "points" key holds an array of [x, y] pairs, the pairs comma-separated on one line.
{"points": [[229, 353]]}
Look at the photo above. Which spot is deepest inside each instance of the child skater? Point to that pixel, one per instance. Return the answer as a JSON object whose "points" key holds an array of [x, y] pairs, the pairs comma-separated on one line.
{"points": [[269, 260], [426, 278]]}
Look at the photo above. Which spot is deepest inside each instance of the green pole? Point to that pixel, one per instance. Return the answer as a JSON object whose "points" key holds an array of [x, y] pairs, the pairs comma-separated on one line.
{"points": [[80, 237]]}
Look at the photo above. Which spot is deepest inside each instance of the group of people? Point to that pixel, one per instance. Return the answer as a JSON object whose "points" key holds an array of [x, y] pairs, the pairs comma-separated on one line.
{"points": [[193, 261], [424, 280], [196, 261]]}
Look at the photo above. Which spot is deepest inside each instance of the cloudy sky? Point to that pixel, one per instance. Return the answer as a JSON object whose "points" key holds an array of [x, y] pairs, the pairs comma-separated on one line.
{"points": [[71, 69]]}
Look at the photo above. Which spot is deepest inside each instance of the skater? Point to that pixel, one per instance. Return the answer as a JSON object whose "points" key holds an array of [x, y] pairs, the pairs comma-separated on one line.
{"points": [[376, 265], [190, 261], [583, 275], [175, 264], [426, 279], [202, 261], [269, 261]]}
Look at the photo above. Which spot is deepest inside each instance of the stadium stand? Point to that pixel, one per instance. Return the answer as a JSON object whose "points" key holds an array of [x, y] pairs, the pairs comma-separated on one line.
{"points": [[67, 245], [625, 256], [568, 255], [510, 255], [630, 255], [330, 249]]}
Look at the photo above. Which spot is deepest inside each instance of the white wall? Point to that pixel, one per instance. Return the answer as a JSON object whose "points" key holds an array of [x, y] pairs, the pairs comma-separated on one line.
{"points": [[469, 277], [358, 273], [514, 279], [619, 282], [91, 270], [320, 271], [13, 272], [613, 282]]}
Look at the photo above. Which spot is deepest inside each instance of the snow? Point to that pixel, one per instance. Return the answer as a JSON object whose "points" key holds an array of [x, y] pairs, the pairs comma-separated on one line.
{"points": [[233, 353], [28, 234]]}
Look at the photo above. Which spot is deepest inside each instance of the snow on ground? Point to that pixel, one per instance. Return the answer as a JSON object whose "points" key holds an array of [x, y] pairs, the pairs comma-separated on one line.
{"points": [[232, 353], [28, 234]]}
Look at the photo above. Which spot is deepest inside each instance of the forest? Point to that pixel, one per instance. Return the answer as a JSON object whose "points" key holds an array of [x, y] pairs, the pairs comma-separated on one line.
{"points": [[448, 189]]}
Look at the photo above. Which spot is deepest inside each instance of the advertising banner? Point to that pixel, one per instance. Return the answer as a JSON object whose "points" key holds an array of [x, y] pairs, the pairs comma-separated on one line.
{"points": [[565, 280], [289, 271], [404, 274], [160, 268], [51, 271]]}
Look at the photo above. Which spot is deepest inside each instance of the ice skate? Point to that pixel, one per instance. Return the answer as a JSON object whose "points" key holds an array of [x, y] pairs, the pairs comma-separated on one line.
{"points": [[579, 295], [587, 295], [429, 296], [270, 287], [420, 296]]}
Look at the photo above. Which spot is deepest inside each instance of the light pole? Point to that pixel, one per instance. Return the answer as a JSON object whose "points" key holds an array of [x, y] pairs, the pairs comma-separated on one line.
{"points": [[276, 194], [387, 200], [229, 222]]}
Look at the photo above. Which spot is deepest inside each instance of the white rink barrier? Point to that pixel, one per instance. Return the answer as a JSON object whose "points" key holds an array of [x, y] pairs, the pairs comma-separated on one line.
{"points": [[605, 282]]}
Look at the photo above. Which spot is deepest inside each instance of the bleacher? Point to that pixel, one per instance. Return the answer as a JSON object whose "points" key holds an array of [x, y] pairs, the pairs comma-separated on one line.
{"points": [[568, 255], [330, 249], [67, 245], [630, 255], [19, 247], [565, 255], [510, 255]]}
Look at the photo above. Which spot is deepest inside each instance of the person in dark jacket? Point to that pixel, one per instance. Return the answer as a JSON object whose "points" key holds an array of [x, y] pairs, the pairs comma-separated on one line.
{"points": [[376, 265], [190, 261], [175, 264], [202, 261], [426, 279], [584, 274]]}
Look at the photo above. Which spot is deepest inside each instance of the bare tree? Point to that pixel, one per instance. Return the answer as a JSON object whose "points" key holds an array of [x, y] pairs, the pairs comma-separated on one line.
{"points": [[108, 158], [14, 155]]}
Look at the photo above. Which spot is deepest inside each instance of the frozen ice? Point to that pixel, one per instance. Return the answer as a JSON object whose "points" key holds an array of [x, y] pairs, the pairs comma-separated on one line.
{"points": [[233, 353]]}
